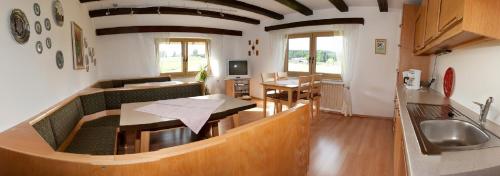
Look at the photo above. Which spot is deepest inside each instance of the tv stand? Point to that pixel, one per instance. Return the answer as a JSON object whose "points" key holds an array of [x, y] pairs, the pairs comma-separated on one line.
{"points": [[238, 87]]}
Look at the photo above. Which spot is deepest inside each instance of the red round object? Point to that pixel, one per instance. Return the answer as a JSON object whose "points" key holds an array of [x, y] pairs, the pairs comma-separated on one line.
{"points": [[448, 83]]}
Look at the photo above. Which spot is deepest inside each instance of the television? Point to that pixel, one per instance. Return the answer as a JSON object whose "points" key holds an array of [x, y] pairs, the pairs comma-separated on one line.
{"points": [[238, 68]]}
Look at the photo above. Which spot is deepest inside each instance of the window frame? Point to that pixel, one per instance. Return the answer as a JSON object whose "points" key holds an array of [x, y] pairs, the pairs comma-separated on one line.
{"points": [[312, 54], [185, 56]]}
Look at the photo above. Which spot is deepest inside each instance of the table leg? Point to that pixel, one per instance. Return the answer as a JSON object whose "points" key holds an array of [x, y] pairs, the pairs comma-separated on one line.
{"points": [[215, 129], [265, 102], [290, 99], [130, 136], [236, 120], [145, 136]]}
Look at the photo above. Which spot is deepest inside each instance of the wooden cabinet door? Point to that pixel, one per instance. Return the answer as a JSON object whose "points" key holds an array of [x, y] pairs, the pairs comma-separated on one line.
{"points": [[399, 147], [432, 21], [420, 26], [451, 13]]}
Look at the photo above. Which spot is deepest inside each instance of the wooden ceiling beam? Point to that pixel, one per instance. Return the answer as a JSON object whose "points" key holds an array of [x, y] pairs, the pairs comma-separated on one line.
{"points": [[147, 29], [245, 6], [383, 6], [297, 6], [316, 23], [341, 5], [170, 10]]}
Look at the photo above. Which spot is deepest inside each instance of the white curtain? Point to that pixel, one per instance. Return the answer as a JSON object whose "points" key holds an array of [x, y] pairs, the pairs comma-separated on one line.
{"points": [[348, 59], [279, 42]]}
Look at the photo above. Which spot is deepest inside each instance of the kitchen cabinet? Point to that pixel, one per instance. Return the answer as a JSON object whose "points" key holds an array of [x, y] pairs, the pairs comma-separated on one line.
{"points": [[432, 21], [399, 145], [452, 23]]}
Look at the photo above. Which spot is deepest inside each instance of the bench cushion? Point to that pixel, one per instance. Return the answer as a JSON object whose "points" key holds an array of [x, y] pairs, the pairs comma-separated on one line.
{"points": [[44, 128], [93, 103], [107, 121], [94, 141], [64, 120]]}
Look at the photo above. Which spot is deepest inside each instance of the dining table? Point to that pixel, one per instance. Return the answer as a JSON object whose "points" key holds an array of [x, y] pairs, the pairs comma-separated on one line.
{"points": [[289, 85], [134, 122]]}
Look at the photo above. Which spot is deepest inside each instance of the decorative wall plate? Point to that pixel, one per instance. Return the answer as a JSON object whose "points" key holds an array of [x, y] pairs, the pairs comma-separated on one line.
{"points": [[38, 27], [59, 59], [19, 26], [449, 82], [58, 13], [39, 47], [48, 42], [48, 26], [36, 9]]}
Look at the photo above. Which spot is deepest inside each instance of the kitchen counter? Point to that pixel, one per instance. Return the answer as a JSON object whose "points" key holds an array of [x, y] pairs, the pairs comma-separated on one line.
{"points": [[470, 162]]}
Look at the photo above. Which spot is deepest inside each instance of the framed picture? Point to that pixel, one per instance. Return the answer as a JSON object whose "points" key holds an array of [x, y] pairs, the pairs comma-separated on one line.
{"points": [[77, 41], [380, 46]]}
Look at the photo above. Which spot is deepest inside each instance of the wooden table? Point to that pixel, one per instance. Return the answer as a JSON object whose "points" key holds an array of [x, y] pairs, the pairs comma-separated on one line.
{"points": [[134, 122], [289, 85]]}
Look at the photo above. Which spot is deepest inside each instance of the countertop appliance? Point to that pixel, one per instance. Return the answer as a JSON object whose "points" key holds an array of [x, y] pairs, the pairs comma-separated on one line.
{"points": [[412, 78]]}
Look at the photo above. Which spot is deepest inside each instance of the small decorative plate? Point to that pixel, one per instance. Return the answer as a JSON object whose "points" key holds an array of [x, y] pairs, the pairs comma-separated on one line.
{"points": [[39, 47], [448, 82], [19, 26], [38, 27], [58, 12], [48, 26], [59, 59], [48, 42], [36, 9]]}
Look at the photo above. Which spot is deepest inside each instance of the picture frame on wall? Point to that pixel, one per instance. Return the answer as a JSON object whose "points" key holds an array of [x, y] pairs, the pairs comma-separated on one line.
{"points": [[77, 42], [381, 46]]}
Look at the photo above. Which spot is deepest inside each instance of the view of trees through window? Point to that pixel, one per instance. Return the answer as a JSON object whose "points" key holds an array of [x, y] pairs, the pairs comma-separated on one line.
{"points": [[171, 56], [326, 49]]}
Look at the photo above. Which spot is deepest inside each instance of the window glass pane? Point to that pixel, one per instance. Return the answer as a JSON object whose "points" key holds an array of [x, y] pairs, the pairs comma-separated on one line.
{"points": [[197, 56], [170, 57], [298, 54], [328, 51]]}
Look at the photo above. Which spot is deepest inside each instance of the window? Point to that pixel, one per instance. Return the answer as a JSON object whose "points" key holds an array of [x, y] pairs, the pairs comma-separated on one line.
{"points": [[182, 57], [312, 53]]}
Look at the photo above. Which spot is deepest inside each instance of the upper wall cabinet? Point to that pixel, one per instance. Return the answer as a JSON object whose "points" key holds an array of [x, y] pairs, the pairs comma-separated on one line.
{"points": [[449, 23]]}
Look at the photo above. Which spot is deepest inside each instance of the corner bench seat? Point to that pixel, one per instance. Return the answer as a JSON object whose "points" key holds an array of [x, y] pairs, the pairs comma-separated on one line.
{"points": [[98, 137]]}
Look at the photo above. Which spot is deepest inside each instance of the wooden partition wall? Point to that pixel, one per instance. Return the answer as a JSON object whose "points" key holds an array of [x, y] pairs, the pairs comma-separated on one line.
{"points": [[274, 146]]}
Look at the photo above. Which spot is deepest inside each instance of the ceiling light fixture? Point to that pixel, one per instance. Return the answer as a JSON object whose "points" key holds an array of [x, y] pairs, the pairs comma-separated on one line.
{"points": [[159, 12], [131, 11], [198, 11], [108, 13]]}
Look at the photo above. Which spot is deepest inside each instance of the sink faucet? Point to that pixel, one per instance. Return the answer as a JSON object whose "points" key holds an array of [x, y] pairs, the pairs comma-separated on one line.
{"points": [[484, 109]]}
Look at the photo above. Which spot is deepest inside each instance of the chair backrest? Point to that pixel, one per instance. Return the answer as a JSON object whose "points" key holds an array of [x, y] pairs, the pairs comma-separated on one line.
{"points": [[281, 75], [316, 85], [266, 77], [304, 89]]}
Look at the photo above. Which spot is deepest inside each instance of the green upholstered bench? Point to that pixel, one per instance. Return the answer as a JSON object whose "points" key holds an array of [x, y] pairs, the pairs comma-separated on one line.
{"points": [[122, 82], [98, 137]]}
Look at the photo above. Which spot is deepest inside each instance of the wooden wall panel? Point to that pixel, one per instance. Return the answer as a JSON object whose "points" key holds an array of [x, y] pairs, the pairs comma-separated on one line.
{"points": [[278, 145]]}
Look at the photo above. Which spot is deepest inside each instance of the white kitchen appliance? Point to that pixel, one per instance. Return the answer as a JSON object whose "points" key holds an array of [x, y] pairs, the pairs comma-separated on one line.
{"points": [[412, 78]]}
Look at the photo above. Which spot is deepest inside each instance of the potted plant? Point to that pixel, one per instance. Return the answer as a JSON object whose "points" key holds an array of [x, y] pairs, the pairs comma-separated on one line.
{"points": [[202, 76]]}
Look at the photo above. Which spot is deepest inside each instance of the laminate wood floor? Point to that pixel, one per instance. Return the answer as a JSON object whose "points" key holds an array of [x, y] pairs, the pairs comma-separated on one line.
{"points": [[340, 146]]}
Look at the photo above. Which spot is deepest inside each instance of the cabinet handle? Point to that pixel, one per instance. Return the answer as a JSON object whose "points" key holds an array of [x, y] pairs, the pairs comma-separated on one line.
{"points": [[450, 23]]}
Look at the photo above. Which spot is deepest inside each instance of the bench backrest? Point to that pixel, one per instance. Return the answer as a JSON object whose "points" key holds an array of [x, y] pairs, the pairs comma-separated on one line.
{"points": [[56, 127], [123, 82]]}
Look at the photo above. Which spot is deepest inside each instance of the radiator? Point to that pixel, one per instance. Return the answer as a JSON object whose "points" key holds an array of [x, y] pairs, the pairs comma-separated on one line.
{"points": [[332, 96]]}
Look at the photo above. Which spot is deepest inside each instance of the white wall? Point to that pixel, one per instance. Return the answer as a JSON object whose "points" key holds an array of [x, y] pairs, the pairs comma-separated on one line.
{"points": [[374, 78], [476, 76], [373, 82], [32, 82]]}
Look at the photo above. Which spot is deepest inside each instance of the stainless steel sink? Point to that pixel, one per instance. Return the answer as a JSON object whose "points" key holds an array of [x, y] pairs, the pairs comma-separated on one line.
{"points": [[453, 133], [443, 128]]}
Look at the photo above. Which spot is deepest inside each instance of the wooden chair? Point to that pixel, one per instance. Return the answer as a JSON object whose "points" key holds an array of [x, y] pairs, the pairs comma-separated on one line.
{"points": [[281, 75], [303, 92], [271, 94], [315, 95]]}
